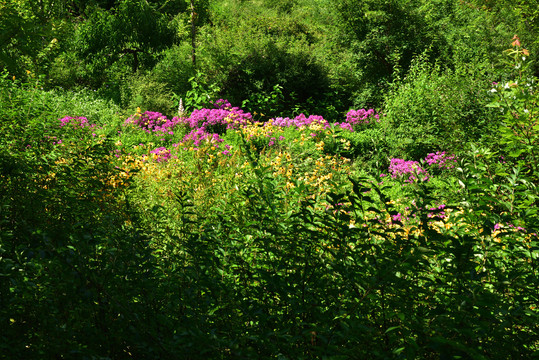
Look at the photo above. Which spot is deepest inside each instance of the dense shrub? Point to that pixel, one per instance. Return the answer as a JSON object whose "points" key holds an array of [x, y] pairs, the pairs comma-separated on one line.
{"points": [[435, 109]]}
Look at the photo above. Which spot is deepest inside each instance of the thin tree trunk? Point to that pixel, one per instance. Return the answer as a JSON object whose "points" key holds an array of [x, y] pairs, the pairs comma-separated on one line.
{"points": [[193, 33]]}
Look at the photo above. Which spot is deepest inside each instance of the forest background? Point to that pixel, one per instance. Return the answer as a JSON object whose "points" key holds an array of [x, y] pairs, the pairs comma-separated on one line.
{"points": [[293, 179]]}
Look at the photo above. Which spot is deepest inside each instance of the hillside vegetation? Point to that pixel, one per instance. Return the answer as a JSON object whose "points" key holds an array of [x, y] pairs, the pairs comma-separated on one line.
{"points": [[306, 179]]}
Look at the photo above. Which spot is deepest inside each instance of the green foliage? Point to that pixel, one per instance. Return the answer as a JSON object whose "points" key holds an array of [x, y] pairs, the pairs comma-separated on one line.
{"points": [[517, 100], [366, 147], [466, 34], [149, 94], [22, 35], [519, 132], [109, 250], [301, 282], [252, 49], [200, 95], [224, 254], [131, 36], [175, 68], [68, 233], [434, 109], [385, 36]]}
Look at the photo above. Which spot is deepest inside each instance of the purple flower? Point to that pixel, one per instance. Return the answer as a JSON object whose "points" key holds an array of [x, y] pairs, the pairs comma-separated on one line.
{"points": [[440, 214], [199, 135], [79, 121], [441, 159], [222, 104], [411, 171], [361, 116], [301, 121], [163, 154], [218, 120]]}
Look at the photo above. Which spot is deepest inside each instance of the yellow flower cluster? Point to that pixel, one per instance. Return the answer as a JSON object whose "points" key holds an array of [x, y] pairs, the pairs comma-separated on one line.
{"points": [[317, 174], [315, 127], [260, 130], [301, 140], [346, 144]]}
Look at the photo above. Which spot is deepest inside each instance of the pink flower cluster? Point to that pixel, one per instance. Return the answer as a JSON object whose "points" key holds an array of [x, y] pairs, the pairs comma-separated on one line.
{"points": [[353, 118], [199, 135], [207, 125], [163, 154], [218, 120], [438, 212], [222, 104], [410, 170], [155, 122], [301, 120], [362, 116], [274, 140], [204, 122], [79, 121], [442, 159]]}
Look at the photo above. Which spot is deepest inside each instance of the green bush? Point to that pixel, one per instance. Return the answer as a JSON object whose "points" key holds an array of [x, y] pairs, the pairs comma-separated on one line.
{"points": [[435, 109], [149, 94], [251, 49], [175, 69]]}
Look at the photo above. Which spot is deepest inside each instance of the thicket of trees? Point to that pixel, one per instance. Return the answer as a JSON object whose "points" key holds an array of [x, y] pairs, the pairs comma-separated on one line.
{"points": [[325, 55], [278, 57]]}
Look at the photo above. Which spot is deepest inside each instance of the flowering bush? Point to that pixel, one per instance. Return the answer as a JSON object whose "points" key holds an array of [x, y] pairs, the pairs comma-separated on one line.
{"points": [[161, 154], [438, 212], [354, 118], [301, 121], [410, 171], [441, 160], [77, 122], [154, 122], [292, 215], [197, 136], [361, 116], [219, 119]]}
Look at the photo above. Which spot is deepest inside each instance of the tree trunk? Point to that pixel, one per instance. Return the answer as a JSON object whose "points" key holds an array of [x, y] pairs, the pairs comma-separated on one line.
{"points": [[193, 33]]}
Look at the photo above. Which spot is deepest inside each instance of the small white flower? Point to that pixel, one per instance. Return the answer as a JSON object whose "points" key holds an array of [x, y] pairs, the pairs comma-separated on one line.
{"points": [[493, 90]]}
